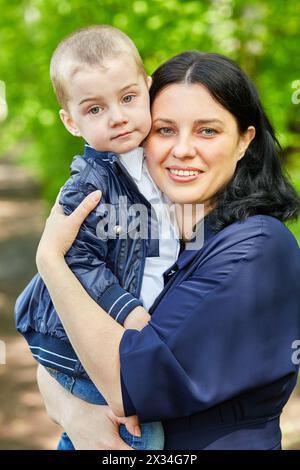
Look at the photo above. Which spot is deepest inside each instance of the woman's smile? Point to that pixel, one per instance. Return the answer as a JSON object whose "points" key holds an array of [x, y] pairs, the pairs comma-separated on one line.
{"points": [[183, 174]]}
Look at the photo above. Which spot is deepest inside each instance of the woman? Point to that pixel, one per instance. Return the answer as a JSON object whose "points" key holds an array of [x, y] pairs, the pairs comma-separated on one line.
{"points": [[215, 361]]}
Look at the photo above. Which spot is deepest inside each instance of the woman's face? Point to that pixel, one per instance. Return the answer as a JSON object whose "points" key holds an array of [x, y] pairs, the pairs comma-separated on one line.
{"points": [[194, 144]]}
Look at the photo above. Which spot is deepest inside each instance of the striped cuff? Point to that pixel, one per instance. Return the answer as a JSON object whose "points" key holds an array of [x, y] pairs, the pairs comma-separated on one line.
{"points": [[118, 303]]}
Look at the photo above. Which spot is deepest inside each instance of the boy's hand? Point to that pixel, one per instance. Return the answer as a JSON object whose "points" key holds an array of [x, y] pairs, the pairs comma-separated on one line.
{"points": [[137, 319]]}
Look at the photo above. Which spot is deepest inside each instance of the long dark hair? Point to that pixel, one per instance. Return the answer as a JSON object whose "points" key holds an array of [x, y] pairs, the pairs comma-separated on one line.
{"points": [[259, 185]]}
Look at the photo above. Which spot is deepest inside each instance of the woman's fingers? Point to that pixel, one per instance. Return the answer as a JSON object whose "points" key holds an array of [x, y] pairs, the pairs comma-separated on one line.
{"points": [[121, 445], [56, 206], [131, 423], [61, 230], [85, 207], [58, 197]]}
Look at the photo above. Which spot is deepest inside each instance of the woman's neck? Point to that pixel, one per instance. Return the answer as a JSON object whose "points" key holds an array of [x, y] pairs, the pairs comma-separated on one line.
{"points": [[188, 217]]}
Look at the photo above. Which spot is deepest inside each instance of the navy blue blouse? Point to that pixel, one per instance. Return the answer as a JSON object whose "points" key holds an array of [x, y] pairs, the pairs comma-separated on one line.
{"points": [[215, 362]]}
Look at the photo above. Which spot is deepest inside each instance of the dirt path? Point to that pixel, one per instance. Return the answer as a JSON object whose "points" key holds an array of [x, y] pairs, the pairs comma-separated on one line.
{"points": [[23, 421]]}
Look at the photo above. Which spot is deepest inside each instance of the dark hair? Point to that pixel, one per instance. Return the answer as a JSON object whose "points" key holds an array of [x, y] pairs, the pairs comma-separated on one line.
{"points": [[259, 185]]}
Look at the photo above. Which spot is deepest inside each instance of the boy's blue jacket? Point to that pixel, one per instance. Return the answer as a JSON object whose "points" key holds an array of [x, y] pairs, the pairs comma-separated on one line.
{"points": [[111, 270]]}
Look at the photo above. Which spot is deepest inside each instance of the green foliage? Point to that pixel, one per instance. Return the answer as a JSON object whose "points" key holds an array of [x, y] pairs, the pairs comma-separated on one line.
{"points": [[261, 35], [294, 172]]}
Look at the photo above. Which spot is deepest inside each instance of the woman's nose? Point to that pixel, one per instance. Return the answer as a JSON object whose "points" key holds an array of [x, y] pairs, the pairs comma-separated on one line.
{"points": [[184, 149]]}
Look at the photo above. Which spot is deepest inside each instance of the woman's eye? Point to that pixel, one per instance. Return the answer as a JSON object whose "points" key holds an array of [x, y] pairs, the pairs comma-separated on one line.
{"points": [[208, 132], [128, 98], [165, 131], [95, 110]]}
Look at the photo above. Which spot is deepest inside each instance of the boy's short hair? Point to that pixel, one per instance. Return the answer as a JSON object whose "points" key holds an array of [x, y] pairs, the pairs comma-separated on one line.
{"points": [[88, 46]]}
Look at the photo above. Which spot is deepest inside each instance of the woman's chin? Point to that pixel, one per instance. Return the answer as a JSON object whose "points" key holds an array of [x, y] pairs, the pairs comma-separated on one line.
{"points": [[183, 198]]}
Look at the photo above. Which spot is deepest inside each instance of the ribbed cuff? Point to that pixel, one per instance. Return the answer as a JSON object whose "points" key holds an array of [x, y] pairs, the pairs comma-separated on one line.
{"points": [[118, 303]]}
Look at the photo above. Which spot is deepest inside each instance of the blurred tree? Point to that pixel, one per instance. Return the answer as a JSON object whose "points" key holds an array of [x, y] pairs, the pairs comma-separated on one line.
{"points": [[262, 35]]}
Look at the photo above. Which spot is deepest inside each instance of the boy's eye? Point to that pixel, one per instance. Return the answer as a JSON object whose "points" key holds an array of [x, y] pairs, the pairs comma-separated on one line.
{"points": [[128, 98], [95, 110], [165, 131]]}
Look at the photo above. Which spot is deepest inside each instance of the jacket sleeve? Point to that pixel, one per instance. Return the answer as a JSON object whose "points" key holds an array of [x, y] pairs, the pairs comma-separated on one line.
{"points": [[87, 256], [225, 329]]}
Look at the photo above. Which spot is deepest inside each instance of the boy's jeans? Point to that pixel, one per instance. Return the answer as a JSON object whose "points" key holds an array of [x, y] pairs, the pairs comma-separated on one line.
{"points": [[152, 433]]}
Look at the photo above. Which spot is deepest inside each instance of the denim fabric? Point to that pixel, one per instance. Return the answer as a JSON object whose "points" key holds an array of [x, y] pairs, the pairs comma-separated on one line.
{"points": [[152, 433]]}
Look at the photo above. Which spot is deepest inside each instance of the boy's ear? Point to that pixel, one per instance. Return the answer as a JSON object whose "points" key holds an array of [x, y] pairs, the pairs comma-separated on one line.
{"points": [[149, 81], [69, 123]]}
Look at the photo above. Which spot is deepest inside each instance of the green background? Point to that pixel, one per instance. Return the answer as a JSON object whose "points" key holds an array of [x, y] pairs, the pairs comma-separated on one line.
{"points": [[263, 36]]}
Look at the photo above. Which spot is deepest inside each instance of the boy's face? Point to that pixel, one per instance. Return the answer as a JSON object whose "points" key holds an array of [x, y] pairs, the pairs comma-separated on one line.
{"points": [[109, 105]]}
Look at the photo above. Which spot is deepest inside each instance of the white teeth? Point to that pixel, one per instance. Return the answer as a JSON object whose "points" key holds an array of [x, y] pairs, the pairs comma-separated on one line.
{"points": [[184, 172]]}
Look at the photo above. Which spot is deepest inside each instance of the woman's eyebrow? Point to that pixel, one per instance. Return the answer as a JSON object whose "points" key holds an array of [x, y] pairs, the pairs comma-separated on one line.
{"points": [[167, 121], [208, 121], [197, 121]]}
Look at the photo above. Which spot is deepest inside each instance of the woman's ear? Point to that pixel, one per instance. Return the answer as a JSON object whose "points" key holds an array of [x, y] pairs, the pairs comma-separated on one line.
{"points": [[149, 82], [69, 123], [245, 141]]}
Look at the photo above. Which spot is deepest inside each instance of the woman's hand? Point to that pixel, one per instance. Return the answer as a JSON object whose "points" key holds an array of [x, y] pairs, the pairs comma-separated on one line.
{"points": [[61, 230], [91, 427]]}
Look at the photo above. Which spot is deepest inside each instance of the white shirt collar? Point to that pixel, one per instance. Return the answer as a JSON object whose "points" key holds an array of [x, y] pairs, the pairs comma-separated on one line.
{"points": [[133, 162]]}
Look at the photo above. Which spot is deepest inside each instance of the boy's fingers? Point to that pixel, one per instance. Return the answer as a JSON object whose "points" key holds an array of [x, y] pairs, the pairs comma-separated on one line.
{"points": [[86, 206]]}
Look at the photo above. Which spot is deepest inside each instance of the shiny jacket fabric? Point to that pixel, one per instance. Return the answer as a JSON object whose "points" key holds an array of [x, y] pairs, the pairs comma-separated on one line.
{"points": [[109, 265]]}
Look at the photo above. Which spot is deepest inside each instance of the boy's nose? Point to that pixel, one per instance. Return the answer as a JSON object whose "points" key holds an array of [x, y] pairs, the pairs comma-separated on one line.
{"points": [[116, 118]]}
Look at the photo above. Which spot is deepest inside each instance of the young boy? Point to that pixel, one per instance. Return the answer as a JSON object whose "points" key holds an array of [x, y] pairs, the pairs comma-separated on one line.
{"points": [[102, 87]]}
